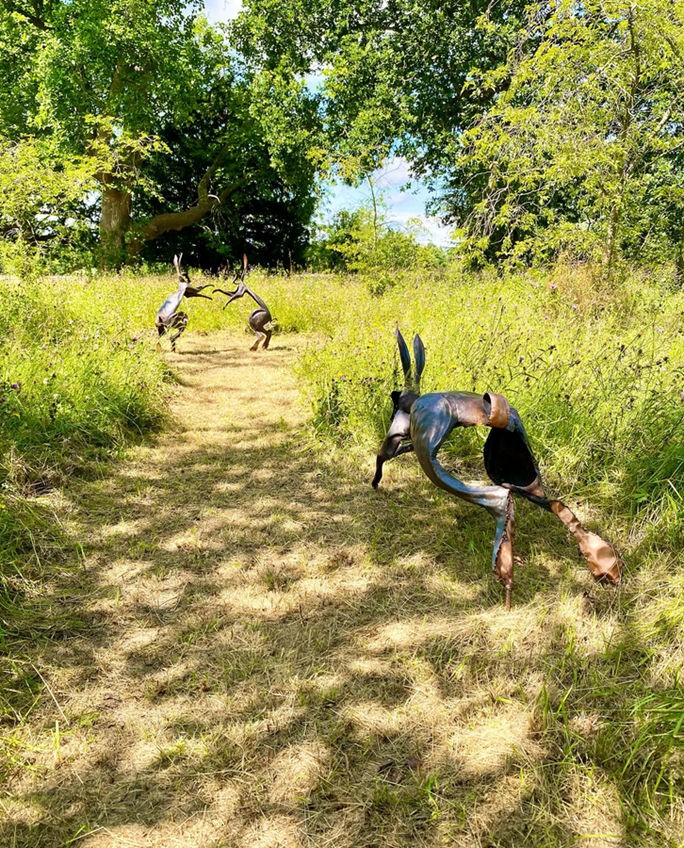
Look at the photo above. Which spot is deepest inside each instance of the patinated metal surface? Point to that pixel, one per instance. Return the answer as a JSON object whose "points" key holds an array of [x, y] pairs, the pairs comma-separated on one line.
{"points": [[168, 317], [261, 315], [422, 423]]}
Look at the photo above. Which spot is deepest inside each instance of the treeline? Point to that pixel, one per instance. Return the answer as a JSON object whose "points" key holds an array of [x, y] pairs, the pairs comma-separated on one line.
{"points": [[544, 129]]}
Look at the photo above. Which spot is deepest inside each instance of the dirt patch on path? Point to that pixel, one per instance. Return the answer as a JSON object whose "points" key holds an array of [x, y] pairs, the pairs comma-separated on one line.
{"points": [[269, 653]]}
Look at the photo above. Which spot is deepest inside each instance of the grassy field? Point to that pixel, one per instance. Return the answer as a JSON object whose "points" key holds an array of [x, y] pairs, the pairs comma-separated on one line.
{"points": [[224, 635]]}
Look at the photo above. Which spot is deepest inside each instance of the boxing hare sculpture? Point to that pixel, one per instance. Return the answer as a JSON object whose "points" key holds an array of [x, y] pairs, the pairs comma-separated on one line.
{"points": [[168, 318], [261, 315], [421, 423]]}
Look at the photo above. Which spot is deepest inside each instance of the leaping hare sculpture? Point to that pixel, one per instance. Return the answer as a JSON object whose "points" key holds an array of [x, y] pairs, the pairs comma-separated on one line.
{"points": [[169, 318], [261, 315], [421, 423]]}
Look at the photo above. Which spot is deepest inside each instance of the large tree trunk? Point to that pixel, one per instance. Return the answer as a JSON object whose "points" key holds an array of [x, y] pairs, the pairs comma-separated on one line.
{"points": [[115, 221]]}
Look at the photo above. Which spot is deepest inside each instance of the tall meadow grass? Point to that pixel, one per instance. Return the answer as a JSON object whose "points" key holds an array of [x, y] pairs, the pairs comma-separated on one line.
{"points": [[597, 376], [78, 380]]}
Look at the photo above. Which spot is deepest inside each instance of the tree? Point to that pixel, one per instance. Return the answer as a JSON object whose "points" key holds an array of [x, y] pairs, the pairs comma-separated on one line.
{"points": [[110, 80], [583, 148], [40, 203], [268, 215], [365, 240], [399, 77]]}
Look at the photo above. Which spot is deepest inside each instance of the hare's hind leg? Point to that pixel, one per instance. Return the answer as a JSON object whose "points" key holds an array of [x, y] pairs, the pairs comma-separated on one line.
{"points": [[179, 323], [256, 321], [268, 334]]}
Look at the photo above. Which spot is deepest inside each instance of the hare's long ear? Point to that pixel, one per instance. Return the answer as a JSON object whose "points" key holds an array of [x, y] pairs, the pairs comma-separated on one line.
{"points": [[419, 357], [405, 358], [177, 265]]}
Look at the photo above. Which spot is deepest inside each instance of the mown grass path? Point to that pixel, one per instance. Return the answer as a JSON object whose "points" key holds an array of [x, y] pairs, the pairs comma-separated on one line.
{"points": [[259, 650]]}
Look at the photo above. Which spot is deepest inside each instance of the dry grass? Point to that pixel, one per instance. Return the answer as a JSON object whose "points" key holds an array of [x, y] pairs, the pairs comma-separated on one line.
{"points": [[251, 647]]}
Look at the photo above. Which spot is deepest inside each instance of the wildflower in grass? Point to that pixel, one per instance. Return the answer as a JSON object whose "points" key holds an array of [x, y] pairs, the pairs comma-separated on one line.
{"points": [[15, 386], [553, 286]]}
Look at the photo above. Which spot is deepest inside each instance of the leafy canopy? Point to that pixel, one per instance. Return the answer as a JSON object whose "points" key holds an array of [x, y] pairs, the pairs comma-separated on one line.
{"points": [[583, 150]]}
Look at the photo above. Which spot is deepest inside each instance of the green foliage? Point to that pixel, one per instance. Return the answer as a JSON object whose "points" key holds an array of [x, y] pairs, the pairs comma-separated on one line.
{"points": [[138, 89], [40, 195], [365, 241], [581, 153], [398, 75], [546, 130], [268, 214]]}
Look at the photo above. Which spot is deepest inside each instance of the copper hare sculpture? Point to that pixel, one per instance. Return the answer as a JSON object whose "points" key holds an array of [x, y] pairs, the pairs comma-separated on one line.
{"points": [[261, 315], [169, 318], [421, 423]]}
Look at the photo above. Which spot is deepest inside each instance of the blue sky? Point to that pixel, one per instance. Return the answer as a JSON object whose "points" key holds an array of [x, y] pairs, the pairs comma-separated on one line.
{"points": [[402, 205]]}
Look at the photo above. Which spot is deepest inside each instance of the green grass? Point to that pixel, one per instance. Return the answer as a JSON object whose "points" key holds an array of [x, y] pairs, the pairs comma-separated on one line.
{"points": [[597, 376]]}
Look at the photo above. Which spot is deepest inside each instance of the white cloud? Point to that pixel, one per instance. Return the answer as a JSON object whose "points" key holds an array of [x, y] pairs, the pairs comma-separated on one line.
{"points": [[434, 231]]}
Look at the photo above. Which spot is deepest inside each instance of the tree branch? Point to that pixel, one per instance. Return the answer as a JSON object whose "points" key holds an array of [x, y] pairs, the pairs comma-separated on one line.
{"points": [[180, 220]]}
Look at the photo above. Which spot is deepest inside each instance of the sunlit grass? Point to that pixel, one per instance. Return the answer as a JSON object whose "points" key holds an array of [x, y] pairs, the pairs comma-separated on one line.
{"points": [[597, 379]]}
